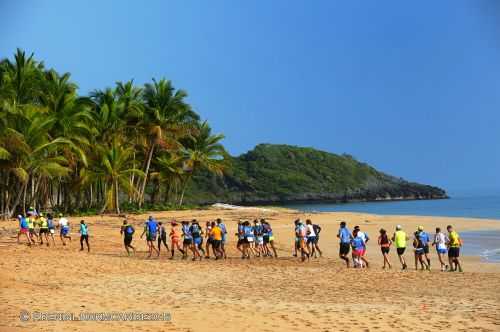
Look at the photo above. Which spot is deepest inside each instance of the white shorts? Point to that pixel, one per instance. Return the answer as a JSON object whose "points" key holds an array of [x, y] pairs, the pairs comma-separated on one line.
{"points": [[51, 231]]}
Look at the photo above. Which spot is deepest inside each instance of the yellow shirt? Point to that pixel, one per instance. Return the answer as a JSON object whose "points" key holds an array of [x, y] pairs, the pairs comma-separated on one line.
{"points": [[454, 239], [216, 233], [400, 239], [43, 223]]}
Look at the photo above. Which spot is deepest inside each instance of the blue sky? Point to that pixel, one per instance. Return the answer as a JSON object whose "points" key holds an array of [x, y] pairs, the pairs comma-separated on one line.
{"points": [[412, 88]]}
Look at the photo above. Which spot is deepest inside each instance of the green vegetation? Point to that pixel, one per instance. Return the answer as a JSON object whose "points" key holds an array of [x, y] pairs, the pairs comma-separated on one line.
{"points": [[68, 152], [282, 173]]}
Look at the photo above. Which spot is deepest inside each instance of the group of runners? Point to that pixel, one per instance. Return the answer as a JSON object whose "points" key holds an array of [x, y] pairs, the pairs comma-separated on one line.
{"points": [[191, 239], [37, 227], [449, 243], [254, 239]]}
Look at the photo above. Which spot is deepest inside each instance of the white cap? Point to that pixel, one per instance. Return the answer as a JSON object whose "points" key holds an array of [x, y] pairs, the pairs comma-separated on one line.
{"points": [[398, 227]]}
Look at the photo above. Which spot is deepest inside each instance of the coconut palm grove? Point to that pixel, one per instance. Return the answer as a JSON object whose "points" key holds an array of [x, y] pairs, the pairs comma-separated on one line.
{"points": [[104, 152]]}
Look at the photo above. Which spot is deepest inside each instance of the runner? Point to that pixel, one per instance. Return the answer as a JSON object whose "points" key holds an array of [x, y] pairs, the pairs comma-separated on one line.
{"points": [[419, 245], [268, 238], [425, 238], [454, 244], [224, 236], [174, 240], [52, 226], [311, 237], [399, 238], [31, 228], [317, 230], [44, 229], [209, 240], [385, 245], [128, 234], [247, 239], [162, 238], [440, 241], [187, 239], [301, 234], [64, 229], [84, 235], [241, 237], [258, 232], [216, 234], [151, 231], [358, 250], [345, 242], [197, 233], [23, 229]]}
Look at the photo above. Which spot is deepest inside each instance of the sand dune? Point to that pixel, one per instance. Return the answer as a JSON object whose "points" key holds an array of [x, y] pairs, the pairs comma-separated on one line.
{"points": [[245, 295]]}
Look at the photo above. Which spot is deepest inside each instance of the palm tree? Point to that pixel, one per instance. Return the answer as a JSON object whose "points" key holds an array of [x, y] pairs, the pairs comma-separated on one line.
{"points": [[114, 168], [204, 152], [167, 119]]}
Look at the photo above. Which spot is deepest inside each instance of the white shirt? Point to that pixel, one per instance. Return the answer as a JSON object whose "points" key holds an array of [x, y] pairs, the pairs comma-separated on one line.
{"points": [[440, 240], [63, 222], [311, 232], [363, 236]]}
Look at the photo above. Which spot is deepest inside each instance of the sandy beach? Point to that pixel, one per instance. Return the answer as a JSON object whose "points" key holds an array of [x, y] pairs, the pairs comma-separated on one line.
{"points": [[261, 294]]}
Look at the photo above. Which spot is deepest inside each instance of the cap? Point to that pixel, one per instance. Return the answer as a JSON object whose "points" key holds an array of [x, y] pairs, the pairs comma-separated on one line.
{"points": [[420, 228], [398, 227]]}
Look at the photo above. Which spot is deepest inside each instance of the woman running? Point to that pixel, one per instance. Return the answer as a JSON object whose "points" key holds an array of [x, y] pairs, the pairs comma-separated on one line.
{"points": [[268, 238], [440, 243], [162, 238], [128, 234], [208, 238], [52, 227], [385, 245], [174, 240], [197, 234], [23, 229], [358, 250], [418, 244]]}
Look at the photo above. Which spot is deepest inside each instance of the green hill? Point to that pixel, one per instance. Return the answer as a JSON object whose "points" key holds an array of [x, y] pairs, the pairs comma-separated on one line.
{"points": [[282, 173]]}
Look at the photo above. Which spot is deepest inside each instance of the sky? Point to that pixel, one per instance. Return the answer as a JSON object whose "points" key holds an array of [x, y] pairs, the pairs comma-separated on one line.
{"points": [[412, 88]]}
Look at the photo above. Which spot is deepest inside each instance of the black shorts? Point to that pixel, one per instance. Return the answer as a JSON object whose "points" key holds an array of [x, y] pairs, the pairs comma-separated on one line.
{"points": [[266, 239], [216, 243], [344, 248], [454, 252], [127, 240], [400, 251], [240, 242], [187, 242], [426, 249], [44, 230], [385, 250], [84, 237]]}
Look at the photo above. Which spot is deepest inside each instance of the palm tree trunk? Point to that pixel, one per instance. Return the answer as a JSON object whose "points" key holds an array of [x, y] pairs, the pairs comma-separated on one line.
{"points": [[148, 164], [184, 190], [117, 199]]}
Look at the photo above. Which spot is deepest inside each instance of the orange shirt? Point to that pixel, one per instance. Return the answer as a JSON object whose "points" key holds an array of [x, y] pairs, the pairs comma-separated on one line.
{"points": [[174, 234], [216, 233]]}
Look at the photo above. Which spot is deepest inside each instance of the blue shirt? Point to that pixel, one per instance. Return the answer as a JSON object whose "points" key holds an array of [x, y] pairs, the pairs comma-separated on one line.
{"points": [[186, 231], [358, 243], [345, 235], [223, 230], [152, 226], [83, 229], [23, 223], [248, 230], [424, 237]]}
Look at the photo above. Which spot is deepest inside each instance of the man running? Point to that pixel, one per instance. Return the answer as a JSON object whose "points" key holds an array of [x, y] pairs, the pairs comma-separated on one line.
{"points": [[268, 238], [222, 227], [345, 242], [241, 238], [216, 233], [454, 244], [419, 245], [23, 229], [44, 229], [52, 227], [301, 233], [208, 239], [162, 238], [64, 229], [317, 230], [31, 228], [399, 238], [440, 241], [197, 234], [151, 231], [425, 239], [128, 233], [84, 235], [187, 239], [258, 232]]}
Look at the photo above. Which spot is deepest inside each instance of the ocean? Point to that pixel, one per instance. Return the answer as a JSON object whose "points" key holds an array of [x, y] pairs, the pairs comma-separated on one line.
{"points": [[482, 243]]}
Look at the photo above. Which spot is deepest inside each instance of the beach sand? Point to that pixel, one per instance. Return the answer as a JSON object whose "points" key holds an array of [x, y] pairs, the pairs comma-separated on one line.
{"points": [[245, 295]]}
